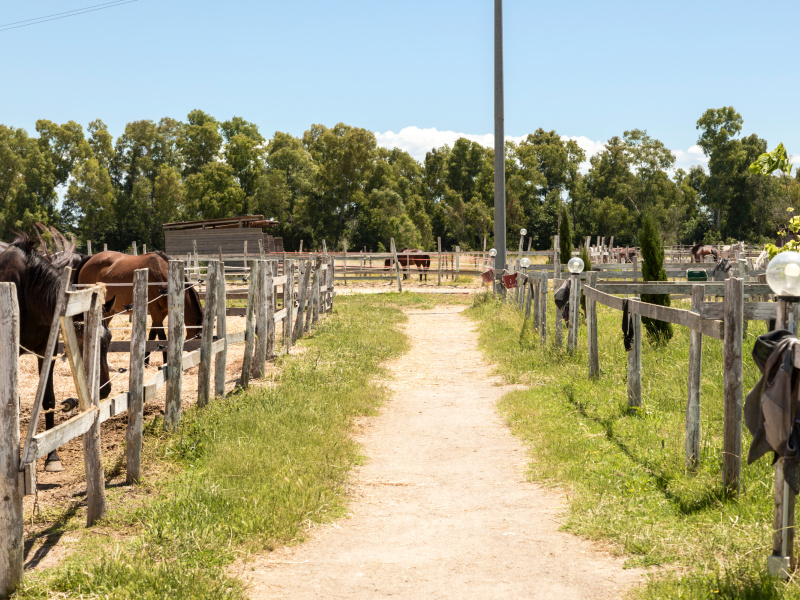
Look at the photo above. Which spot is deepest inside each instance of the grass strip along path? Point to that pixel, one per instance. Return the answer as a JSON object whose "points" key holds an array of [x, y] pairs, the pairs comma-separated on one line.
{"points": [[624, 473], [252, 469]]}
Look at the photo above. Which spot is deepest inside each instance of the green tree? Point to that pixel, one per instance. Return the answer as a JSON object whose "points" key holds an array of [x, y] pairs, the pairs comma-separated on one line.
{"points": [[565, 237], [27, 183], [659, 332], [199, 140], [212, 193]]}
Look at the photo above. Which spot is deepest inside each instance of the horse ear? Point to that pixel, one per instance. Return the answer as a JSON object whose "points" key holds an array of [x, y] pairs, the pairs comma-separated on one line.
{"points": [[108, 304]]}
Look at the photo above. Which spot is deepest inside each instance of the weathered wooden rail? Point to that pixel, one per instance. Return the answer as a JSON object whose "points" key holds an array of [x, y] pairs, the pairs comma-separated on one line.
{"points": [[308, 290]]}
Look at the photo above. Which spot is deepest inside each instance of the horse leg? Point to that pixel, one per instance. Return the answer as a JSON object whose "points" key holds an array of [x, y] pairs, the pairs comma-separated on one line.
{"points": [[152, 336], [162, 335], [52, 463]]}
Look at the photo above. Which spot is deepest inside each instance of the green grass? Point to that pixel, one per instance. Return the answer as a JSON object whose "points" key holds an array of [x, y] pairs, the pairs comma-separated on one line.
{"points": [[624, 473], [253, 468]]}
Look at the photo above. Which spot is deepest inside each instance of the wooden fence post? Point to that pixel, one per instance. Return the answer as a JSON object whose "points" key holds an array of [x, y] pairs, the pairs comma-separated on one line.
{"points": [[249, 325], [92, 457], [89, 247], [439, 246], [536, 290], [635, 365], [732, 356], [543, 308], [288, 303], [396, 266], [591, 329], [209, 316], [344, 260], [332, 283], [312, 300], [782, 562], [260, 352], [261, 248], [301, 302], [133, 434], [529, 283], [222, 332], [269, 301], [133, 251], [556, 257], [175, 302], [693, 400], [11, 527], [105, 247], [574, 313]]}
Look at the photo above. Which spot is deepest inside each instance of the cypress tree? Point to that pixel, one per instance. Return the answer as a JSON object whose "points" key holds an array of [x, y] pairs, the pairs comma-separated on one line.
{"points": [[659, 332], [565, 237]]}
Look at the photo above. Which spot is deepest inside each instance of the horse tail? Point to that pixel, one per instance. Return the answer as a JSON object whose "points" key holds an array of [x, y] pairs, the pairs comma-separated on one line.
{"points": [[161, 255], [714, 253]]}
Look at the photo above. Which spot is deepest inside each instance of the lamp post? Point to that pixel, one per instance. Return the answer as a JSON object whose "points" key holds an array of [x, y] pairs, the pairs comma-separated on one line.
{"points": [[575, 267], [499, 148], [783, 278]]}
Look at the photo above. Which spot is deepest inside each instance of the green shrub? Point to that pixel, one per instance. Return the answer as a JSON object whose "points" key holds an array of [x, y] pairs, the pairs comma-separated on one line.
{"points": [[658, 332]]}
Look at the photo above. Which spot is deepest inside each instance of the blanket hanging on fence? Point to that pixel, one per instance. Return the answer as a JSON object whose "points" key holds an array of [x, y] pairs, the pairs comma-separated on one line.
{"points": [[770, 410], [561, 298], [627, 327]]}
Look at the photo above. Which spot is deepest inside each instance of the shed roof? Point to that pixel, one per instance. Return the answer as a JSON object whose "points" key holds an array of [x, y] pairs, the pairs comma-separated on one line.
{"points": [[254, 221]]}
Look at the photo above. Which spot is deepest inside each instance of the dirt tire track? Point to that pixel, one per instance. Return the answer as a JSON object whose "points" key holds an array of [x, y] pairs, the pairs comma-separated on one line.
{"points": [[441, 509]]}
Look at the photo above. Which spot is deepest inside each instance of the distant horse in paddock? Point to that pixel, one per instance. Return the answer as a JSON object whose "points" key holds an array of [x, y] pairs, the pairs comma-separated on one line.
{"points": [[626, 254], [412, 257], [116, 267], [37, 276], [730, 251], [700, 251], [760, 264]]}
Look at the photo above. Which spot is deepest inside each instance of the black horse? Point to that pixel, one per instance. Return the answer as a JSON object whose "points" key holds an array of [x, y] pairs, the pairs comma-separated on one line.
{"points": [[38, 282]]}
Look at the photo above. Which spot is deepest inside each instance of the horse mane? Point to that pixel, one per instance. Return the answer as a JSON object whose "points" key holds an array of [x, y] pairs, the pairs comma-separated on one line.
{"points": [[161, 255], [42, 283]]}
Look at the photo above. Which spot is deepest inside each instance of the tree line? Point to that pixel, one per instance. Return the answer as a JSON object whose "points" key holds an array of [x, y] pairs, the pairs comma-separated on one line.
{"points": [[337, 183]]}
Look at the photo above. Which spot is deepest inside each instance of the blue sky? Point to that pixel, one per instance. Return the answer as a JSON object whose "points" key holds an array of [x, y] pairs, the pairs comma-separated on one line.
{"points": [[418, 73]]}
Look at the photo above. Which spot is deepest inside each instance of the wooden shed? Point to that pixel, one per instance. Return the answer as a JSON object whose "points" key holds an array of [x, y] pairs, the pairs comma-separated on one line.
{"points": [[229, 235]]}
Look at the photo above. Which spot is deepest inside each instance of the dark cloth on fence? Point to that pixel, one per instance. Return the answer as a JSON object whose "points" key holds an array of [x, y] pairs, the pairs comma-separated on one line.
{"points": [[627, 327], [561, 298], [770, 410]]}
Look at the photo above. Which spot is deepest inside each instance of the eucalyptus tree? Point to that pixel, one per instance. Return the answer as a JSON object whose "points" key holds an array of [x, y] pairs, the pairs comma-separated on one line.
{"points": [[345, 157], [27, 183]]}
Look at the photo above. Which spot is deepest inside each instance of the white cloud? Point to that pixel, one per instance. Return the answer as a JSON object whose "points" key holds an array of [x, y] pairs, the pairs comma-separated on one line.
{"points": [[417, 142], [684, 159]]}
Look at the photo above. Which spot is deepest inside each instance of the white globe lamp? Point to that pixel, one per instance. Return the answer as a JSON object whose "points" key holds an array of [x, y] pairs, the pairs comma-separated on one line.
{"points": [[575, 265], [525, 263], [783, 275]]}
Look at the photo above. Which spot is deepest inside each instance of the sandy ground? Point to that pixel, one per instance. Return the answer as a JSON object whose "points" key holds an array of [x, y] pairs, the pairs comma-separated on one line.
{"points": [[442, 509]]}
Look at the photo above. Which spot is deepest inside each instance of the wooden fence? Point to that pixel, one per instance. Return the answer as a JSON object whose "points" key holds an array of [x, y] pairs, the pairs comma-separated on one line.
{"points": [[306, 289], [724, 321]]}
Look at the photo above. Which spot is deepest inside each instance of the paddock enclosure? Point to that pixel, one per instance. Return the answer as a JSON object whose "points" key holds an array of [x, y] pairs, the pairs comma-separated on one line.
{"points": [[719, 310], [278, 302]]}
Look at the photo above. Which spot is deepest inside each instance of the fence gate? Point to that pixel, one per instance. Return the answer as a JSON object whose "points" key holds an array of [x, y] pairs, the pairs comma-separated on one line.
{"points": [[85, 367]]}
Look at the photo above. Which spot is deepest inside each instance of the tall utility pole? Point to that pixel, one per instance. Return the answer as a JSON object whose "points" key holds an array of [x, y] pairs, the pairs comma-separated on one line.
{"points": [[499, 146]]}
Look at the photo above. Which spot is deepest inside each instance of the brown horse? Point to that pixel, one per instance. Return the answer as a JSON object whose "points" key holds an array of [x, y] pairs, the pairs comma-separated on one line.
{"points": [[116, 267], [37, 277], [699, 252], [412, 257]]}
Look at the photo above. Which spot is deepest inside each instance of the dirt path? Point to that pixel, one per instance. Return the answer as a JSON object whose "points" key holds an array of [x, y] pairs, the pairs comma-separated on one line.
{"points": [[441, 508]]}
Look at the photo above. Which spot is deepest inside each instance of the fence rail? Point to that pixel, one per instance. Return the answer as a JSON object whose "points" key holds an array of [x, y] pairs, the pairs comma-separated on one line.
{"points": [[725, 321], [308, 284]]}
